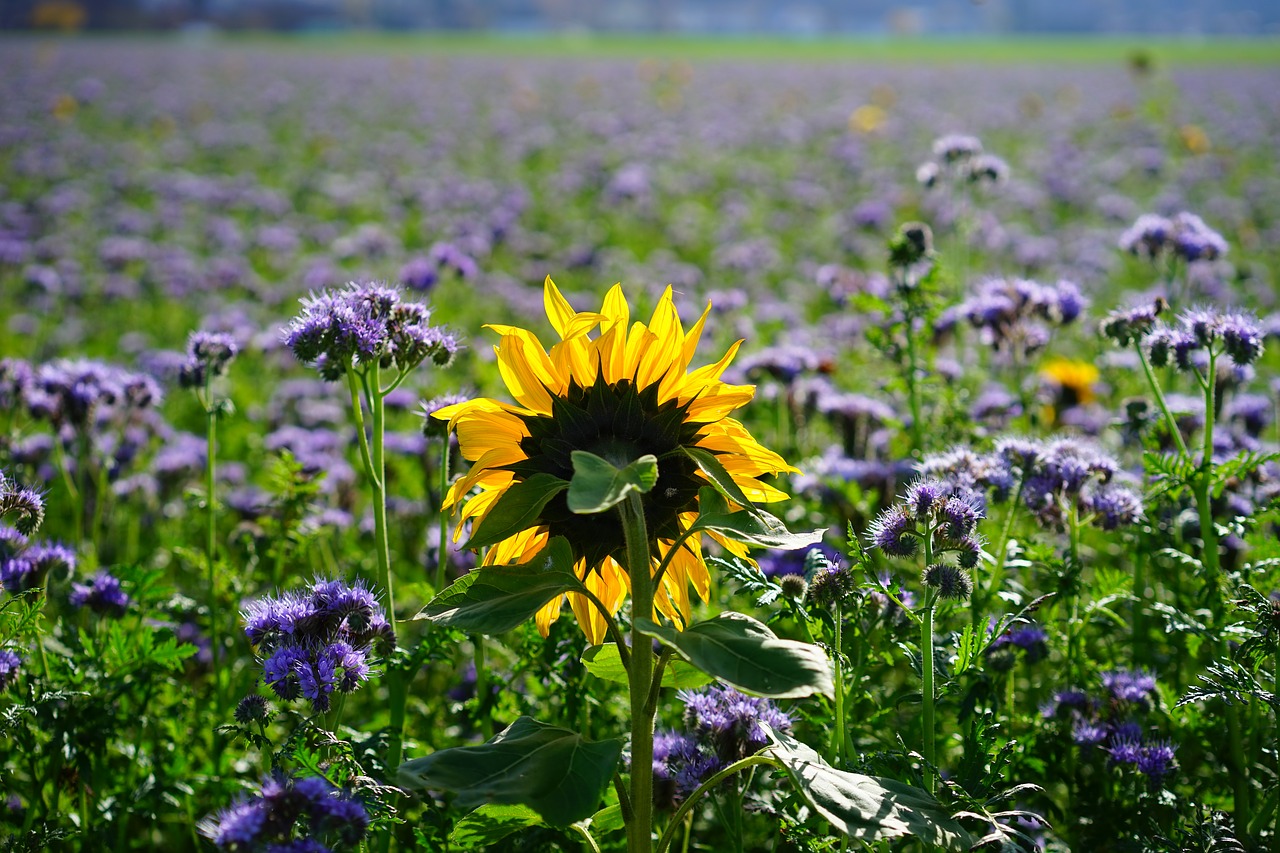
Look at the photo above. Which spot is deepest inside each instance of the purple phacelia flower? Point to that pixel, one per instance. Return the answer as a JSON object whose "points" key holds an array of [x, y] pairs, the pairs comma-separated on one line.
{"points": [[101, 595]]}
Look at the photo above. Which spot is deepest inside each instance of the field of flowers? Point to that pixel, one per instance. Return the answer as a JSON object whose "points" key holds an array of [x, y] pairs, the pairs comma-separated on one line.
{"points": [[343, 395]]}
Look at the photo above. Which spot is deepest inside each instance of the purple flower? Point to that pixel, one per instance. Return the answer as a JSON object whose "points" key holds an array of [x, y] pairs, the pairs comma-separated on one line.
{"points": [[1156, 759], [832, 581], [1125, 750], [26, 504], [29, 569], [209, 354], [290, 814], [894, 532], [101, 595], [1128, 685], [1089, 732], [10, 661]]}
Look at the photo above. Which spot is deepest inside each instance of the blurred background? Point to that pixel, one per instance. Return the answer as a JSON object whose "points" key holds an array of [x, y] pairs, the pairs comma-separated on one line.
{"points": [[796, 18]]}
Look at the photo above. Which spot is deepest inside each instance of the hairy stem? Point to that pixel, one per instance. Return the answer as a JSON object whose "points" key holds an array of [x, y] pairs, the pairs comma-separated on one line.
{"points": [[640, 830]]}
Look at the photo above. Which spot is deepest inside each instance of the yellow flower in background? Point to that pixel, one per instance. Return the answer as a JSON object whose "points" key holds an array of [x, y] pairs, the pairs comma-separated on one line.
{"points": [[1195, 138], [1073, 384], [624, 393], [867, 118]]}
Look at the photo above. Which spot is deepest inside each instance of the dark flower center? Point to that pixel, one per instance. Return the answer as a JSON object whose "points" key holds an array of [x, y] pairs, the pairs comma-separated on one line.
{"points": [[619, 423]]}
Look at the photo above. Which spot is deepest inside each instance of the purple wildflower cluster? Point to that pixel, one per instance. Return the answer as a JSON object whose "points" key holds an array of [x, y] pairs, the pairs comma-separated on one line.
{"points": [[831, 581], [1185, 236], [288, 815], [960, 158], [1109, 721], [364, 324], [945, 513], [209, 354], [1028, 640], [721, 726], [79, 394], [25, 566], [102, 594], [1202, 333], [1050, 476], [317, 640], [1014, 316]]}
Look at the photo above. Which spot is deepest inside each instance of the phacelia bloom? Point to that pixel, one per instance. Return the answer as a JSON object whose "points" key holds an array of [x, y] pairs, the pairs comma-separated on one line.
{"points": [[1086, 732], [946, 512], [1156, 759], [209, 354], [729, 724], [622, 394], [317, 640], [1149, 236], [952, 582], [83, 393], [10, 661], [366, 324], [1130, 325], [1186, 236], [30, 568], [1112, 504], [22, 506], [432, 427], [987, 169], [1202, 331], [1127, 685], [1014, 315], [307, 814], [101, 595], [252, 709], [831, 582], [894, 532], [956, 147]]}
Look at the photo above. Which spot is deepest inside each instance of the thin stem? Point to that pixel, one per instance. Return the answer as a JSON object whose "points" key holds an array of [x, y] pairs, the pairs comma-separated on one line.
{"points": [[586, 836], [677, 819], [913, 388], [378, 458], [211, 543], [482, 687], [928, 727], [1212, 566], [639, 568], [838, 747], [1160, 401]]}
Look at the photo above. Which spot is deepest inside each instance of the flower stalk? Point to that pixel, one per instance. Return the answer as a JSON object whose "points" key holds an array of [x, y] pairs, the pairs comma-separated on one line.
{"points": [[640, 676]]}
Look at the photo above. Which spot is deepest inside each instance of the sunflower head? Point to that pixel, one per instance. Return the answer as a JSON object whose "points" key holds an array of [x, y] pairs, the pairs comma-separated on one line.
{"points": [[621, 391]]}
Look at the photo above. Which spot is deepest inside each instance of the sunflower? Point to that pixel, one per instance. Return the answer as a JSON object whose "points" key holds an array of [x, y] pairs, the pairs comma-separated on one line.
{"points": [[621, 394]]}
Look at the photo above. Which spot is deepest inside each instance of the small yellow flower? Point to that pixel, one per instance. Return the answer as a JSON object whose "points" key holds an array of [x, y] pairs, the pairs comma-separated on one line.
{"points": [[1072, 381], [621, 394], [867, 118]]}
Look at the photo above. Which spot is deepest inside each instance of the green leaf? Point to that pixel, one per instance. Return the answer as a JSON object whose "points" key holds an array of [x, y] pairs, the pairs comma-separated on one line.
{"points": [[607, 820], [517, 509], [867, 808], [495, 599], [711, 465], [757, 528], [598, 486], [551, 770], [743, 652], [604, 662], [490, 824]]}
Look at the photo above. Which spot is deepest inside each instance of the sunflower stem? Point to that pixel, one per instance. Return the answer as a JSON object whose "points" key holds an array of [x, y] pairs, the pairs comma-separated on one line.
{"points": [[639, 568]]}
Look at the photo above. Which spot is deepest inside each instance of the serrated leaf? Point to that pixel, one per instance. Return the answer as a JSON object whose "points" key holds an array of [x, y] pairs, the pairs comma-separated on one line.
{"points": [[552, 770], [605, 663], [518, 508], [744, 653], [496, 599], [866, 808], [598, 485], [490, 824]]}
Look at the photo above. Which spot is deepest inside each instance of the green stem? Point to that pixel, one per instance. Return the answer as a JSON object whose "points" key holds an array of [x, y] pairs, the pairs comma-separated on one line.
{"points": [[684, 809], [928, 727], [211, 546], [927, 689], [482, 687], [443, 553], [1211, 560], [1160, 401], [586, 836], [838, 747], [913, 388], [1275, 687], [1002, 554], [1074, 571], [639, 568]]}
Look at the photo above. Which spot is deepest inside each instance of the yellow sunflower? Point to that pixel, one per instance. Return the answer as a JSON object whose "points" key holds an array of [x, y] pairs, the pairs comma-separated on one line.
{"points": [[621, 394]]}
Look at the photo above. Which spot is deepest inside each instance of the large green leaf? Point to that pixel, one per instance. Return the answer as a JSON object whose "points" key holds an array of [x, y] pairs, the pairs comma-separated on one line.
{"points": [[743, 652], [604, 662], [551, 770], [490, 824], [867, 808], [719, 476], [495, 599], [598, 486], [517, 509], [757, 528]]}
